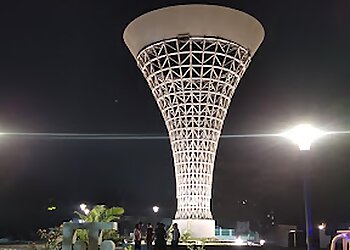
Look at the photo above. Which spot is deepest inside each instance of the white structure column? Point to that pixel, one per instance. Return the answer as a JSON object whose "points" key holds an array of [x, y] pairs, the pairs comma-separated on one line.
{"points": [[193, 57]]}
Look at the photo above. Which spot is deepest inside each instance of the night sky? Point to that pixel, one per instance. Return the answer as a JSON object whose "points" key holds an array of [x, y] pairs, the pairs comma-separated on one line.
{"points": [[65, 69]]}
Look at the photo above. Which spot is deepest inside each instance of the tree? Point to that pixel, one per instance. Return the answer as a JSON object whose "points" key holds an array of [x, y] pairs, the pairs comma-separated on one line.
{"points": [[52, 237]]}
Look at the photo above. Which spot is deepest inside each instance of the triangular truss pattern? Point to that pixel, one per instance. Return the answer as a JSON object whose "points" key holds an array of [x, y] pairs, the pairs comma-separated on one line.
{"points": [[193, 80]]}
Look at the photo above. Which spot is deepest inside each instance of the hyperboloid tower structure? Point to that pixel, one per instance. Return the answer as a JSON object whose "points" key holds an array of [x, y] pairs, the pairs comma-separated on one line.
{"points": [[193, 57]]}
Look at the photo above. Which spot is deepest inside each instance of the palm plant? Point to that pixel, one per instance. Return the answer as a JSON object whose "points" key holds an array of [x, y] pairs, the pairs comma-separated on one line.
{"points": [[100, 213]]}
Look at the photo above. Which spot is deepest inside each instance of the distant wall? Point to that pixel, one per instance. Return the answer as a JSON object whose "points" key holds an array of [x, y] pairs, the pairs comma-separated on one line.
{"points": [[22, 247], [278, 236]]}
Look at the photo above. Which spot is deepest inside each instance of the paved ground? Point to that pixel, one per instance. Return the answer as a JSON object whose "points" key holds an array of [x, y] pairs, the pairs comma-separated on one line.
{"points": [[40, 247]]}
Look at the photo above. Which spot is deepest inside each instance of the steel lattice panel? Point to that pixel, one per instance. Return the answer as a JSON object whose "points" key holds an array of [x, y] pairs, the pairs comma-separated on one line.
{"points": [[193, 80]]}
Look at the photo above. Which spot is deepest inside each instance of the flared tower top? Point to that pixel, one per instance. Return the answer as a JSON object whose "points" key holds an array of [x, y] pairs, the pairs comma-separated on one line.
{"points": [[194, 20]]}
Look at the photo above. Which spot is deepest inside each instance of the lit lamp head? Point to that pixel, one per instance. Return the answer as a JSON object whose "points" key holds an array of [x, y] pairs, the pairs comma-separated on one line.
{"points": [[322, 226], [155, 209], [303, 135], [84, 208]]}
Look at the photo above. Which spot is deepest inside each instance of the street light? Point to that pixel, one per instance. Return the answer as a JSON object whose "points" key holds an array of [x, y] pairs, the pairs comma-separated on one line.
{"points": [[155, 213], [83, 207], [322, 226], [155, 209], [304, 135]]}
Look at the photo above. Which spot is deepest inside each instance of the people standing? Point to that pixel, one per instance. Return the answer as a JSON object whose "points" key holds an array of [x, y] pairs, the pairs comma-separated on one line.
{"points": [[160, 233], [137, 237], [149, 236], [141, 228], [175, 237]]}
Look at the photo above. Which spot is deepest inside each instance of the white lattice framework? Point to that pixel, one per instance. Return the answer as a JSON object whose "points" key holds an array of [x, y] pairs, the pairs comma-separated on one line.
{"points": [[193, 80]]}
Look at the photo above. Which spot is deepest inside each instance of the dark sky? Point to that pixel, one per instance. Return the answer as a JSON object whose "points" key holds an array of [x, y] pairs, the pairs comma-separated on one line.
{"points": [[65, 68]]}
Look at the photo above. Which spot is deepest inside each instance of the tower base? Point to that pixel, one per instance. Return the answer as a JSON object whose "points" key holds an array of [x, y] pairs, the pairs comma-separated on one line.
{"points": [[197, 228]]}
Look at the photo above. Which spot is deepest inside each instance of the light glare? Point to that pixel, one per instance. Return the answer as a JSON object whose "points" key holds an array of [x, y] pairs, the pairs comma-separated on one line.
{"points": [[155, 209], [83, 206], [303, 135], [322, 226], [239, 242]]}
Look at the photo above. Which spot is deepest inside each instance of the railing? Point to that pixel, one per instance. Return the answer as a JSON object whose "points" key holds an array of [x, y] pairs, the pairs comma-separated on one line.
{"points": [[344, 236], [224, 232]]}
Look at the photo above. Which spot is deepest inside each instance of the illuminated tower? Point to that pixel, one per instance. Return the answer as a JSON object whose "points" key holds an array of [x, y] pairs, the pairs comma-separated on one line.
{"points": [[193, 57]]}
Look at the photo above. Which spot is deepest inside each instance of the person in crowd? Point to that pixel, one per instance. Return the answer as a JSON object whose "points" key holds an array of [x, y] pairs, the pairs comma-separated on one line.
{"points": [[137, 237], [149, 236], [175, 237], [141, 228], [160, 233]]}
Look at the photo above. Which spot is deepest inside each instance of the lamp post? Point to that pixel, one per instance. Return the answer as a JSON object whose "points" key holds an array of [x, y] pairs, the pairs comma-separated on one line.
{"points": [[155, 213], [304, 135]]}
